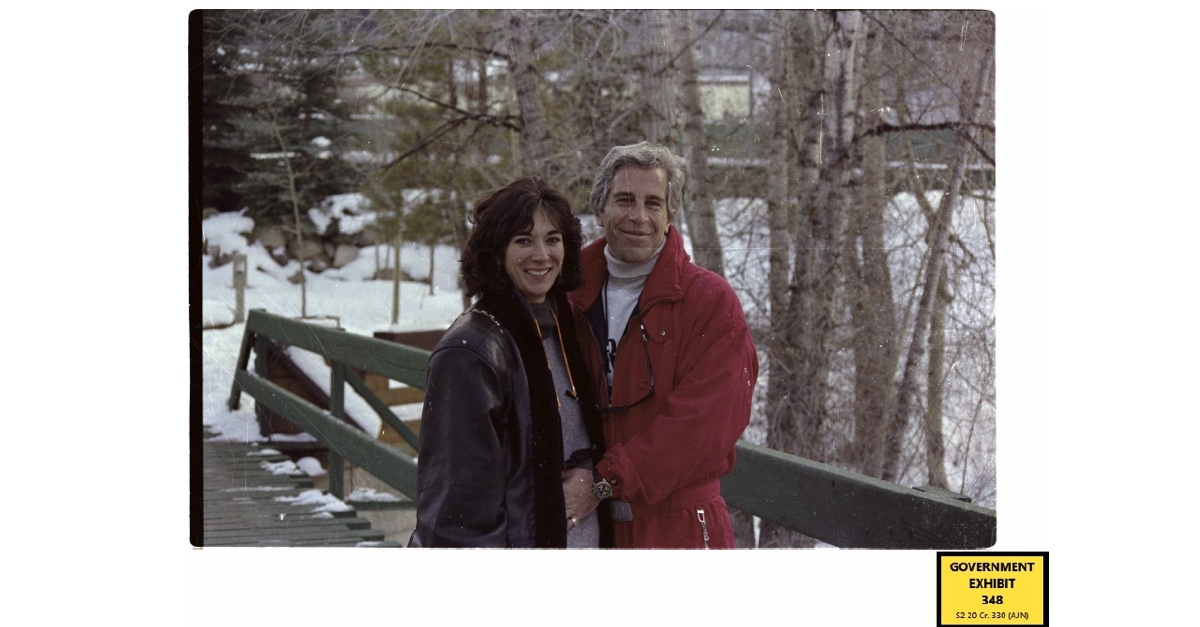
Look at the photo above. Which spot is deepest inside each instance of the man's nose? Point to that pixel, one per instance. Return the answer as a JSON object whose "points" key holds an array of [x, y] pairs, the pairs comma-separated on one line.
{"points": [[638, 212]]}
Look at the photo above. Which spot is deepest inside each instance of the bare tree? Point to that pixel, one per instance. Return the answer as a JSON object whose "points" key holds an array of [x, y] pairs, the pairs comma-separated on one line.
{"points": [[869, 287], [295, 198], [874, 318], [534, 135], [699, 207], [782, 386], [933, 271], [658, 86], [935, 446], [805, 325]]}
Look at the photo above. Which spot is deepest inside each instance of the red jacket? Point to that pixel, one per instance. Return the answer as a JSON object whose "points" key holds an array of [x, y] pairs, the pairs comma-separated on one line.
{"points": [[668, 452]]}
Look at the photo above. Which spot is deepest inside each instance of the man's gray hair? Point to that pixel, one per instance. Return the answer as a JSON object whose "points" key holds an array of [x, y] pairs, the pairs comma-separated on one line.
{"points": [[645, 155]]}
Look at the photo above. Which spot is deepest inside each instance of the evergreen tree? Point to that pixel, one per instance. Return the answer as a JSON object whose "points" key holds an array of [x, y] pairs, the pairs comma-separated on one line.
{"points": [[276, 93], [225, 159]]}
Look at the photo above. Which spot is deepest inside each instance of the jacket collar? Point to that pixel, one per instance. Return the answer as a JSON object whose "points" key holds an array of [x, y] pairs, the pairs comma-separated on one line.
{"points": [[665, 280]]}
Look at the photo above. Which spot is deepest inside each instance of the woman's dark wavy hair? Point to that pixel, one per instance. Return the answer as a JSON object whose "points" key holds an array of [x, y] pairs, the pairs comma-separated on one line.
{"points": [[504, 213]]}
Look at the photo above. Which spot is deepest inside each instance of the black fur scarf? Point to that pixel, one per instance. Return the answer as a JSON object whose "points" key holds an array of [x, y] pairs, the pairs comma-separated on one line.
{"points": [[515, 315]]}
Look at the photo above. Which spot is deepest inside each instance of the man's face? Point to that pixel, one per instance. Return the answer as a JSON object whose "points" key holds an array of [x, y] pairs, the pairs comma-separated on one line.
{"points": [[635, 217]]}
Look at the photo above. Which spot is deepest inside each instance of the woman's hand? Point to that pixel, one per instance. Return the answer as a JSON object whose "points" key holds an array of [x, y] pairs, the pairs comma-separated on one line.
{"points": [[577, 492]]}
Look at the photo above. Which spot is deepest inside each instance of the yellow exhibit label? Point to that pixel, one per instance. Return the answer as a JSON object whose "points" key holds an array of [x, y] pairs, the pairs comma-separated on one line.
{"points": [[992, 588]]}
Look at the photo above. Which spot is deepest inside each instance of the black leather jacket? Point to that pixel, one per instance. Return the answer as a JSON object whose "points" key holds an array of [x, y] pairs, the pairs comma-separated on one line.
{"points": [[489, 472], [475, 485]]}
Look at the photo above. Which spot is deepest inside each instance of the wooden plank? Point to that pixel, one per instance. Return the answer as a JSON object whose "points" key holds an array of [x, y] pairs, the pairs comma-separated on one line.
{"points": [[349, 541], [392, 396], [426, 339], [246, 503], [395, 361], [265, 522], [378, 458], [390, 420], [292, 534], [297, 536], [850, 510]]}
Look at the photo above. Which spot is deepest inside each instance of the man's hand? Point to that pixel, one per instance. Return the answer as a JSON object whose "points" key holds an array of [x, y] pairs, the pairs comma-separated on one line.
{"points": [[577, 492]]}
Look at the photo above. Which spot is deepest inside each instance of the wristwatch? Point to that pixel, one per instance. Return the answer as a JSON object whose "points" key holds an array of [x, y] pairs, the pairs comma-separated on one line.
{"points": [[601, 487]]}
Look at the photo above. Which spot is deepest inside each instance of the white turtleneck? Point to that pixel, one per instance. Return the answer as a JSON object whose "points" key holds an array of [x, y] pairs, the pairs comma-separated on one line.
{"points": [[622, 288]]}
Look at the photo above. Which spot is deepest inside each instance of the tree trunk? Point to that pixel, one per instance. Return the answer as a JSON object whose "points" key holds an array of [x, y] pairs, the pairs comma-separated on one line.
{"points": [[781, 426], [658, 93], [804, 316], [872, 308], [291, 178], [743, 529], [779, 206], [933, 273], [698, 206], [462, 234], [935, 448], [432, 254], [798, 384], [396, 278], [535, 138], [820, 240]]}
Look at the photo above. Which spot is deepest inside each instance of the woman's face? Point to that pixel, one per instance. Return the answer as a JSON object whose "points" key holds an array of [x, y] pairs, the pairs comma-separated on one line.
{"points": [[534, 258]]}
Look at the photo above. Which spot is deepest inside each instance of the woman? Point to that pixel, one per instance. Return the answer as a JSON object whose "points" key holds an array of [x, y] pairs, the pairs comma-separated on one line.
{"points": [[507, 407]]}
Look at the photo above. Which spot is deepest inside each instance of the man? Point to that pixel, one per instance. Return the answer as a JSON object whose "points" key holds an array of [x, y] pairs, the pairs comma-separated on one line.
{"points": [[673, 360]]}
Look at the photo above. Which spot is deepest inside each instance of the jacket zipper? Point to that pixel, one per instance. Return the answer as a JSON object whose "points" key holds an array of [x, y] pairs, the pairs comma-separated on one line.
{"points": [[703, 524]]}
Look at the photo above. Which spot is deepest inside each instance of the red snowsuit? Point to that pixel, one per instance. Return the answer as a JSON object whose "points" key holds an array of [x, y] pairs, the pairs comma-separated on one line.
{"points": [[667, 453]]}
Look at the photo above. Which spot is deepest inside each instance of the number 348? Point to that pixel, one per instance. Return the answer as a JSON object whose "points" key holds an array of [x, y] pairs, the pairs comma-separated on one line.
{"points": [[993, 600]]}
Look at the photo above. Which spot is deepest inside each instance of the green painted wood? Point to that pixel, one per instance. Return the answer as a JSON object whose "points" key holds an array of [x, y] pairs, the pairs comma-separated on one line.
{"points": [[377, 458], [850, 510], [383, 410], [266, 521], [395, 361], [235, 395], [313, 538], [382, 506], [839, 507]]}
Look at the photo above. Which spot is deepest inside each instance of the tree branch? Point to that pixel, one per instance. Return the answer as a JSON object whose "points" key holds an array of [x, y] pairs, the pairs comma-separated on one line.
{"points": [[959, 127], [671, 62], [505, 122]]}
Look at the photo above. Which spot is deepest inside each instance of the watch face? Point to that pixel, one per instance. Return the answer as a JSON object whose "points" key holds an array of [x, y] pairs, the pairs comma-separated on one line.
{"points": [[602, 490]]}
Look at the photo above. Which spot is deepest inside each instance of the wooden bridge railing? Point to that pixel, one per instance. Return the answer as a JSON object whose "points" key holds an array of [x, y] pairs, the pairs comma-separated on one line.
{"points": [[839, 507], [347, 353]]}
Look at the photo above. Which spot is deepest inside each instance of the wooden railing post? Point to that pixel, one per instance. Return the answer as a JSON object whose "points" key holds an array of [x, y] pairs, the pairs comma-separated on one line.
{"points": [[239, 286], [337, 406]]}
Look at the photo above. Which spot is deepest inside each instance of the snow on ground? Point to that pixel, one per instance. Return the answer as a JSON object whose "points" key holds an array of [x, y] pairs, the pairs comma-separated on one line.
{"points": [[346, 297], [342, 296]]}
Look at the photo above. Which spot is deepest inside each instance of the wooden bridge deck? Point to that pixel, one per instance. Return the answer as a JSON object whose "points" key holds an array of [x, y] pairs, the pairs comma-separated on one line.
{"points": [[250, 500]]}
